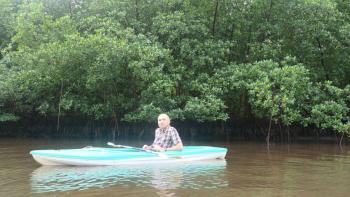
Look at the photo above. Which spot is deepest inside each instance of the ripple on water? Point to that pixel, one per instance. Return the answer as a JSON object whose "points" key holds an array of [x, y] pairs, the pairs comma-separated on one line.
{"points": [[209, 174]]}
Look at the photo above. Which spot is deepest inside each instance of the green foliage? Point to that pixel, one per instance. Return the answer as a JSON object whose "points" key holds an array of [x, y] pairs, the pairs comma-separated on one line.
{"points": [[329, 115], [7, 19], [8, 117], [279, 93], [195, 60], [208, 108], [331, 108]]}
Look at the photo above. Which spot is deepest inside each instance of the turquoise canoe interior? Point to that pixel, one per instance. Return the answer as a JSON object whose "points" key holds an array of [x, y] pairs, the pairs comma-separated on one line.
{"points": [[97, 153]]}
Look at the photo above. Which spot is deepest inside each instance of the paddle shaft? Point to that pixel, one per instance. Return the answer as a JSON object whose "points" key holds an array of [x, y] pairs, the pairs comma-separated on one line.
{"points": [[139, 149]]}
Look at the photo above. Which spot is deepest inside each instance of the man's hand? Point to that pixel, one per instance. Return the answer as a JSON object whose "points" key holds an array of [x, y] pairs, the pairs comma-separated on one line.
{"points": [[146, 147], [158, 148]]}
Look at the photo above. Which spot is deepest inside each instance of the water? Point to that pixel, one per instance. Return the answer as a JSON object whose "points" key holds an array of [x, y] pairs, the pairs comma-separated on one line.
{"points": [[249, 170]]}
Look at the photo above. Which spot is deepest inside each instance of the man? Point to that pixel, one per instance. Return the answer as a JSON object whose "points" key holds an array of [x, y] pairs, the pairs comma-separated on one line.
{"points": [[166, 137]]}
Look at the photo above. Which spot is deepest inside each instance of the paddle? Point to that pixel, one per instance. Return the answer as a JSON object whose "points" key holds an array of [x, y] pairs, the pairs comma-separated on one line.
{"points": [[139, 149]]}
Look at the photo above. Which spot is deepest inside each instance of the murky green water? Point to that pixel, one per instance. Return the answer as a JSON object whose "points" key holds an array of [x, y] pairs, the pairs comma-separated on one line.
{"points": [[249, 170]]}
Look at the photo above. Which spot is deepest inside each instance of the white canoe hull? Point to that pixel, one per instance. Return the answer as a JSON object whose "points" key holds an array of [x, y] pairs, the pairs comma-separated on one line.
{"points": [[45, 160]]}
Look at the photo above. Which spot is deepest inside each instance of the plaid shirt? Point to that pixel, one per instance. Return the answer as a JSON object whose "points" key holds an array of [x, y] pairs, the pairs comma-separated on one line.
{"points": [[167, 137]]}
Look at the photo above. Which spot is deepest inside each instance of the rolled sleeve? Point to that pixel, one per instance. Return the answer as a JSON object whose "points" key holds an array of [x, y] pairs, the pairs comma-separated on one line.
{"points": [[175, 136]]}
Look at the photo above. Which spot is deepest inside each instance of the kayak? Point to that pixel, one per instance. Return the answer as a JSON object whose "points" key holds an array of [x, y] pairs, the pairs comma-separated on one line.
{"points": [[94, 156]]}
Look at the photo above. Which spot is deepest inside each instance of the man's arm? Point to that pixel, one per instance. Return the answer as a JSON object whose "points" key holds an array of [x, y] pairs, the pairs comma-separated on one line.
{"points": [[178, 146], [176, 140]]}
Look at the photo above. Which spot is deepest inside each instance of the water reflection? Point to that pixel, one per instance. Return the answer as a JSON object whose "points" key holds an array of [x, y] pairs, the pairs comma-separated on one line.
{"points": [[196, 175]]}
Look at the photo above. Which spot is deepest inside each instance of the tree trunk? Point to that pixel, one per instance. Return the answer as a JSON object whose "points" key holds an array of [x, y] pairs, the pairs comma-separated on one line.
{"points": [[137, 30], [317, 136], [137, 10], [341, 139], [322, 58], [116, 126], [215, 17], [268, 133], [114, 129], [59, 108], [70, 8], [141, 134]]}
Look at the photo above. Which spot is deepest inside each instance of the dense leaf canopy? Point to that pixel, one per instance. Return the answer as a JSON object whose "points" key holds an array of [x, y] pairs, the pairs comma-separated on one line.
{"points": [[283, 61]]}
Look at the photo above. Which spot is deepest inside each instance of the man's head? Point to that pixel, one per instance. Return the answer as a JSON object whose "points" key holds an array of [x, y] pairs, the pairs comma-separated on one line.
{"points": [[163, 121]]}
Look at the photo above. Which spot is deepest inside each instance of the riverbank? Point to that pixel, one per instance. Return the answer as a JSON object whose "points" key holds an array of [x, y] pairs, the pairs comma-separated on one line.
{"points": [[237, 130]]}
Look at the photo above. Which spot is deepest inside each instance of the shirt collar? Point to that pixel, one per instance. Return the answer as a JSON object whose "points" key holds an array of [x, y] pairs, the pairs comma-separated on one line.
{"points": [[165, 129]]}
